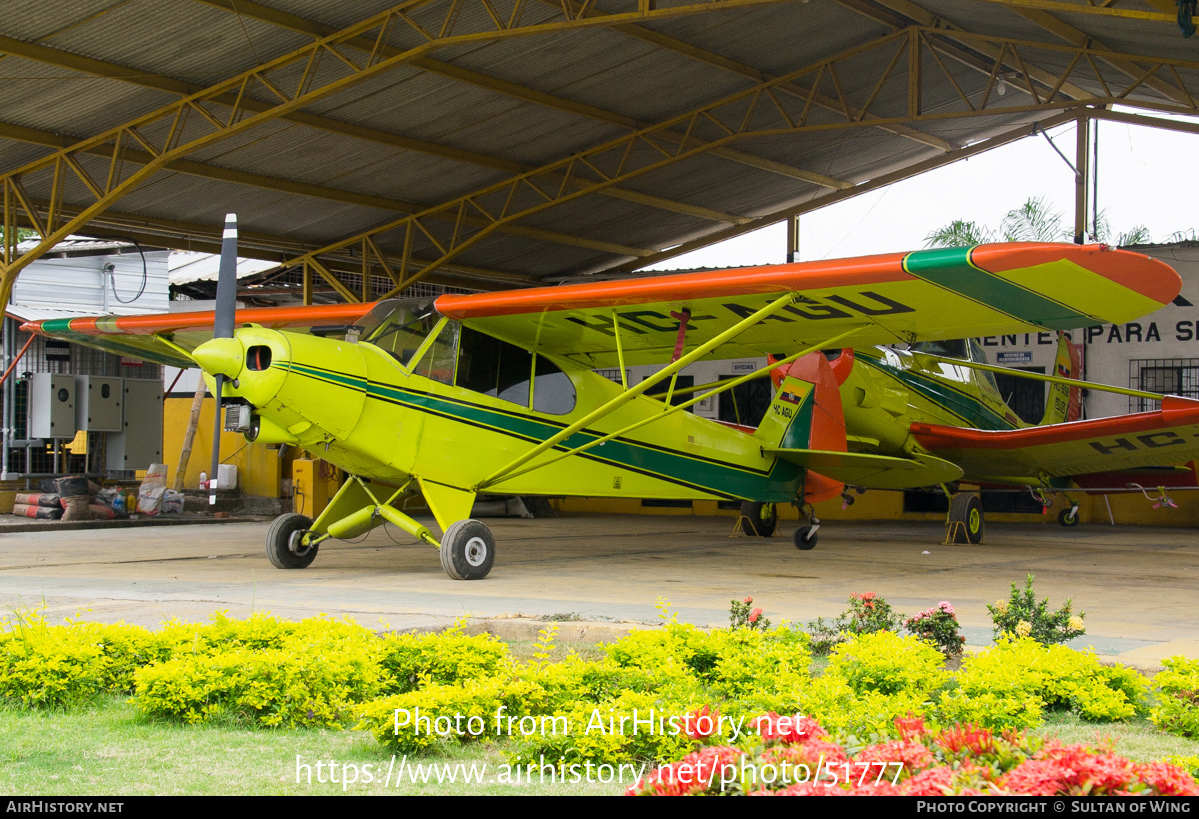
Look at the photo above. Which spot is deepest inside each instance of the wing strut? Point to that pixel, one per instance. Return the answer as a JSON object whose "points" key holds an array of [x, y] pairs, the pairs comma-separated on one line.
{"points": [[629, 394], [1052, 379], [670, 410]]}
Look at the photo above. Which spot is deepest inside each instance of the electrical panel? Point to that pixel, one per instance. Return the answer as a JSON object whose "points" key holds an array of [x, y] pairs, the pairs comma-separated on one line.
{"points": [[52, 405], [139, 444], [99, 403]]}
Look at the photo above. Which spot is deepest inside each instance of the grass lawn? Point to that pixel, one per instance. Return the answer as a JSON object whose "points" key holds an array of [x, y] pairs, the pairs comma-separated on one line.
{"points": [[107, 749]]}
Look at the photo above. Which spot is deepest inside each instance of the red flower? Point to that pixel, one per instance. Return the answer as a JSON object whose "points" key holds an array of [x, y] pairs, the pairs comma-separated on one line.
{"points": [[747, 600], [910, 728], [754, 615], [703, 723], [967, 737]]}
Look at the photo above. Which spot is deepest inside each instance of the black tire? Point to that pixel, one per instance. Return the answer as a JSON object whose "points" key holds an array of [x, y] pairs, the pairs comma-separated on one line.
{"points": [[467, 550], [1068, 517], [278, 542], [967, 509], [803, 541], [763, 518]]}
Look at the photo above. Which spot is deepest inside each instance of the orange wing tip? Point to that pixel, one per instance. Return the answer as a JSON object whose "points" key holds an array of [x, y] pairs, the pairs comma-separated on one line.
{"points": [[1142, 274]]}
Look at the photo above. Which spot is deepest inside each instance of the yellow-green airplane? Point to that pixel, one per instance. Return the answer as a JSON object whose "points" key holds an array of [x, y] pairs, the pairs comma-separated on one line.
{"points": [[497, 392]]}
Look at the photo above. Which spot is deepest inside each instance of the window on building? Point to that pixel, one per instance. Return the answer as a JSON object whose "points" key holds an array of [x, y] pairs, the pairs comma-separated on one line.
{"points": [[1168, 376]]}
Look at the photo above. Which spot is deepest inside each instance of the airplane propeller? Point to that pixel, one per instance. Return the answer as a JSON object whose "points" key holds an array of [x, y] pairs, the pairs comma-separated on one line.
{"points": [[226, 307]]}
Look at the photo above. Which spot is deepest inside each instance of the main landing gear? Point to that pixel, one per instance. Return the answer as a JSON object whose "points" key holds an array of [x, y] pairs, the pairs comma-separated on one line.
{"points": [[966, 522], [467, 549], [759, 519]]}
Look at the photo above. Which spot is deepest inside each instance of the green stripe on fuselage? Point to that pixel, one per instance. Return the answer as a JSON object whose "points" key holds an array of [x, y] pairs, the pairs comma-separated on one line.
{"points": [[714, 477], [953, 269]]}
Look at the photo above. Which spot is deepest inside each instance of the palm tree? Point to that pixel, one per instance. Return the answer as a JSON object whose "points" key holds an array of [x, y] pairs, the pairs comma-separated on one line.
{"points": [[1034, 221]]}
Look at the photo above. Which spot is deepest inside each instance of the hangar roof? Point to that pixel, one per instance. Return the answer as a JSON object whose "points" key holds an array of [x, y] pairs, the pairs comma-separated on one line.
{"points": [[501, 143]]}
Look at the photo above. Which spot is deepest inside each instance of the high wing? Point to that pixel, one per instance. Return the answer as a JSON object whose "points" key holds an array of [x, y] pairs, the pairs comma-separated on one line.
{"points": [[919, 296], [1165, 437], [143, 336]]}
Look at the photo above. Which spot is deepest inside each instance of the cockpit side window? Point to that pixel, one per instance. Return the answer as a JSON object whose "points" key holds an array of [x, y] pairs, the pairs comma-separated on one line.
{"points": [[502, 370]]}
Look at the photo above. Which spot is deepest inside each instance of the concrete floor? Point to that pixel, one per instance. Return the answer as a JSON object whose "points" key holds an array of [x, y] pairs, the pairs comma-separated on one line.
{"points": [[1136, 585]]}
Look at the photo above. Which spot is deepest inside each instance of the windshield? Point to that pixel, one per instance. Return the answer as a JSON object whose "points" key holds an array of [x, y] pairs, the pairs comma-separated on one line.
{"points": [[954, 348], [398, 326]]}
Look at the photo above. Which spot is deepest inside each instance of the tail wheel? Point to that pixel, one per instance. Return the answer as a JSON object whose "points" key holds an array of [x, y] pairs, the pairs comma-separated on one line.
{"points": [[1068, 517], [968, 510], [467, 550], [283, 545], [763, 518], [805, 538]]}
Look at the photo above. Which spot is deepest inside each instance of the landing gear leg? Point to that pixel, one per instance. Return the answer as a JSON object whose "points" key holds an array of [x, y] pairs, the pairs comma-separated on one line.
{"points": [[805, 536], [1069, 517]]}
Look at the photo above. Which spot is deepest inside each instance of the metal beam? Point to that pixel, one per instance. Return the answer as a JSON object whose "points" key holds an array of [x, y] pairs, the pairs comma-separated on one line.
{"points": [[203, 237], [1163, 16], [723, 63], [994, 56], [264, 182], [99, 68], [1080, 38], [825, 200], [292, 81], [312, 28]]}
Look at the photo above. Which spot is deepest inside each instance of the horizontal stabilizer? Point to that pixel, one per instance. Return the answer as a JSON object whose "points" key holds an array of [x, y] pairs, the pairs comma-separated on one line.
{"points": [[873, 471]]}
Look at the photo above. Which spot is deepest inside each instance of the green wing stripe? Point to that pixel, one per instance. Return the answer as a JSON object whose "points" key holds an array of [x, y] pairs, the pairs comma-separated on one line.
{"points": [[953, 269]]}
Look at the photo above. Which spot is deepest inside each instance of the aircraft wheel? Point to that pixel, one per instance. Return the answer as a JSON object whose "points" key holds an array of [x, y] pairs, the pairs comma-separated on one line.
{"points": [[805, 538], [467, 550], [969, 510], [279, 537], [1068, 517], [763, 518]]}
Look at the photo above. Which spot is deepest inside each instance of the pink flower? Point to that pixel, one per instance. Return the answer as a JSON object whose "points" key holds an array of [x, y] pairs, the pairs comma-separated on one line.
{"points": [[754, 615], [747, 600], [945, 606]]}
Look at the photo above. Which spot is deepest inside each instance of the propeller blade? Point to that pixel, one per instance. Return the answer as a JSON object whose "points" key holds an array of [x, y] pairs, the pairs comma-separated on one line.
{"points": [[226, 308]]}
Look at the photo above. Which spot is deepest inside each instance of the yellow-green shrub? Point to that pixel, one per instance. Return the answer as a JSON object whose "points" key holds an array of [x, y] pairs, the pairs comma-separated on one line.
{"points": [[45, 665], [605, 733], [410, 660], [886, 663], [1061, 678], [1177, 709], [481, 698], [840, 709], [992, 710], [273, 687]]}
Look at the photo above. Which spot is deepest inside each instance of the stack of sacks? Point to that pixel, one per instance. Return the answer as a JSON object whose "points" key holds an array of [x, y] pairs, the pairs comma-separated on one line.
{"points": [[70, 498], [39, 505]]}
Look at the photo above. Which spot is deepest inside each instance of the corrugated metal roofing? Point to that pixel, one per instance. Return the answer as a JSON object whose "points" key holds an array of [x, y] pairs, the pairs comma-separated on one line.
{"points": [[416, 136]]}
